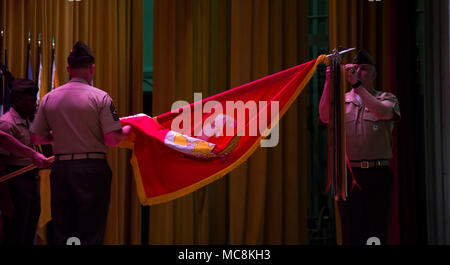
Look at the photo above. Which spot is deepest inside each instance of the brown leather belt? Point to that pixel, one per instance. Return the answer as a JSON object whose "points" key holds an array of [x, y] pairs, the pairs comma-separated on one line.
{"points": [[80, 156], [369, 164]]}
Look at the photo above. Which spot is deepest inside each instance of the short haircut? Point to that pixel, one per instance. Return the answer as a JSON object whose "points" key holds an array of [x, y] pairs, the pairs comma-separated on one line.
{"points": [[80, 56]]}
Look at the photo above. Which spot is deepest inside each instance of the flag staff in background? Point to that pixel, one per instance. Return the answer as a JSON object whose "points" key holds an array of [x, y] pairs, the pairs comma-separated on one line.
{"points": [[2, 187], [9, 78], [39, 75], [55, 79], [28, 71]]}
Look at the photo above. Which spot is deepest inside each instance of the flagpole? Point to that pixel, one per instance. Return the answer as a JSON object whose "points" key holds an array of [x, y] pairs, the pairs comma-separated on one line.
{"points": [[39, 69], [1, 44], [23, 170], [52, 66], [38, 58], [28, 64], [7, 84], [2, 94]]}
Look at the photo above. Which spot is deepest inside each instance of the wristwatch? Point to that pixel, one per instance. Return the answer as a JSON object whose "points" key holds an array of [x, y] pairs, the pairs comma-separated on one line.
{"points": [[357, 84]]}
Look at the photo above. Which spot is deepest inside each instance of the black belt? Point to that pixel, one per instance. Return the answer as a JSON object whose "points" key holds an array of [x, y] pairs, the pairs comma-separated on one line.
{"points": [[369, 163], [92, 155]]}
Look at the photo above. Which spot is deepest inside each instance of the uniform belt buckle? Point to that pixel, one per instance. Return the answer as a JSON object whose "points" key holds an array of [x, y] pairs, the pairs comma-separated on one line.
{"points": [[364, 164]]}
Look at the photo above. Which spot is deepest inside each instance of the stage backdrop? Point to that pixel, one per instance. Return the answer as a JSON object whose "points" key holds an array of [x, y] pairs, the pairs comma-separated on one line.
{"points": [[210, 46], [204, 46]]}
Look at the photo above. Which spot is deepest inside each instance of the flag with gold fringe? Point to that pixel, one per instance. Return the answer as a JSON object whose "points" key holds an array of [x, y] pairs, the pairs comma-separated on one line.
{"points": [[185, 149]]}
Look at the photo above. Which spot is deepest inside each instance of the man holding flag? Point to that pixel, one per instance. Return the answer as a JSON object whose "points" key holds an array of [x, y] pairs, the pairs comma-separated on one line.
{"points": [[369, 120], [79, 120]]}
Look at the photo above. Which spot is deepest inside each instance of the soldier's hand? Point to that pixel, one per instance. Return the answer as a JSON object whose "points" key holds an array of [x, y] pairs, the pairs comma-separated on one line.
{"points": [[40, 160], [351, 73]]}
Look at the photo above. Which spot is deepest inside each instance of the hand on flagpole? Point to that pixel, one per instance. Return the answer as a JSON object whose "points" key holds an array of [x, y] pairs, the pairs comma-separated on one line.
{"points": [[23, 170], [40, 160]]}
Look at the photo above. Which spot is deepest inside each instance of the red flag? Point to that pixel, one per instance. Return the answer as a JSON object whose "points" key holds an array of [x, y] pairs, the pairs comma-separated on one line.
{"points": [[181, 151]]}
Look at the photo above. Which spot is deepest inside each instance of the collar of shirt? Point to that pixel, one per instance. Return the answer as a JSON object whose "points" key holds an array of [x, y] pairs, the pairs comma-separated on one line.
{"points": [[80, 80], [17, 118]]}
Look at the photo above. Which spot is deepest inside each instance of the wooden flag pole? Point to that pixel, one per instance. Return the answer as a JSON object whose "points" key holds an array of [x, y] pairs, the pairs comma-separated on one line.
{"points": [[22, 170]]}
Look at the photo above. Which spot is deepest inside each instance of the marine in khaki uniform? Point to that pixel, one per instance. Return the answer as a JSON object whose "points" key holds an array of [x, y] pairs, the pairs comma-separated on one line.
{"points": [[369, 121], [79, 120], [20, 198]]}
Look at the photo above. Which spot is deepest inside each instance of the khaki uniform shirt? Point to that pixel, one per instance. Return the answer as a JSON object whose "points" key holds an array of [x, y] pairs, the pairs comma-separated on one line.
{"points": [[79, 115], [13, 124], [368, 137]]}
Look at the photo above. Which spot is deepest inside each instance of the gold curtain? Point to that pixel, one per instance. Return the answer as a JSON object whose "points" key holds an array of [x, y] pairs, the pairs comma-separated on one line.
{"points": [[361, 25], [113, 30], [210, 46]]}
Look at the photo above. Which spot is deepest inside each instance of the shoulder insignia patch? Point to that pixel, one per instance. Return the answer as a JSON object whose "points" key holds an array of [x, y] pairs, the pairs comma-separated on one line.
{"points": [[114, 112]]}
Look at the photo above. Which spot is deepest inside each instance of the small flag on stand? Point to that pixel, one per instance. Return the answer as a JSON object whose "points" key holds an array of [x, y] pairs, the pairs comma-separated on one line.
{"points": [[39, 73], [28, 64], [55, 80]]}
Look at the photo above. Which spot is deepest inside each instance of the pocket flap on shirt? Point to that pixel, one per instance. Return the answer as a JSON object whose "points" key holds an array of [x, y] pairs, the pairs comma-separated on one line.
{"points": [[369, 116]]}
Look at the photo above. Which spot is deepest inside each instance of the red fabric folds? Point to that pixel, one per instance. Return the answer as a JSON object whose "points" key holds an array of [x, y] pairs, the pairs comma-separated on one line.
{"points": [[176, 152]]}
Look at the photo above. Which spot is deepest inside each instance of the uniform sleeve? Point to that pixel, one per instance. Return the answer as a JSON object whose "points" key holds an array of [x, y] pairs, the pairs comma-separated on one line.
{"points": [[7, 128], [40, 124], [392, 98], [109, 118]]}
